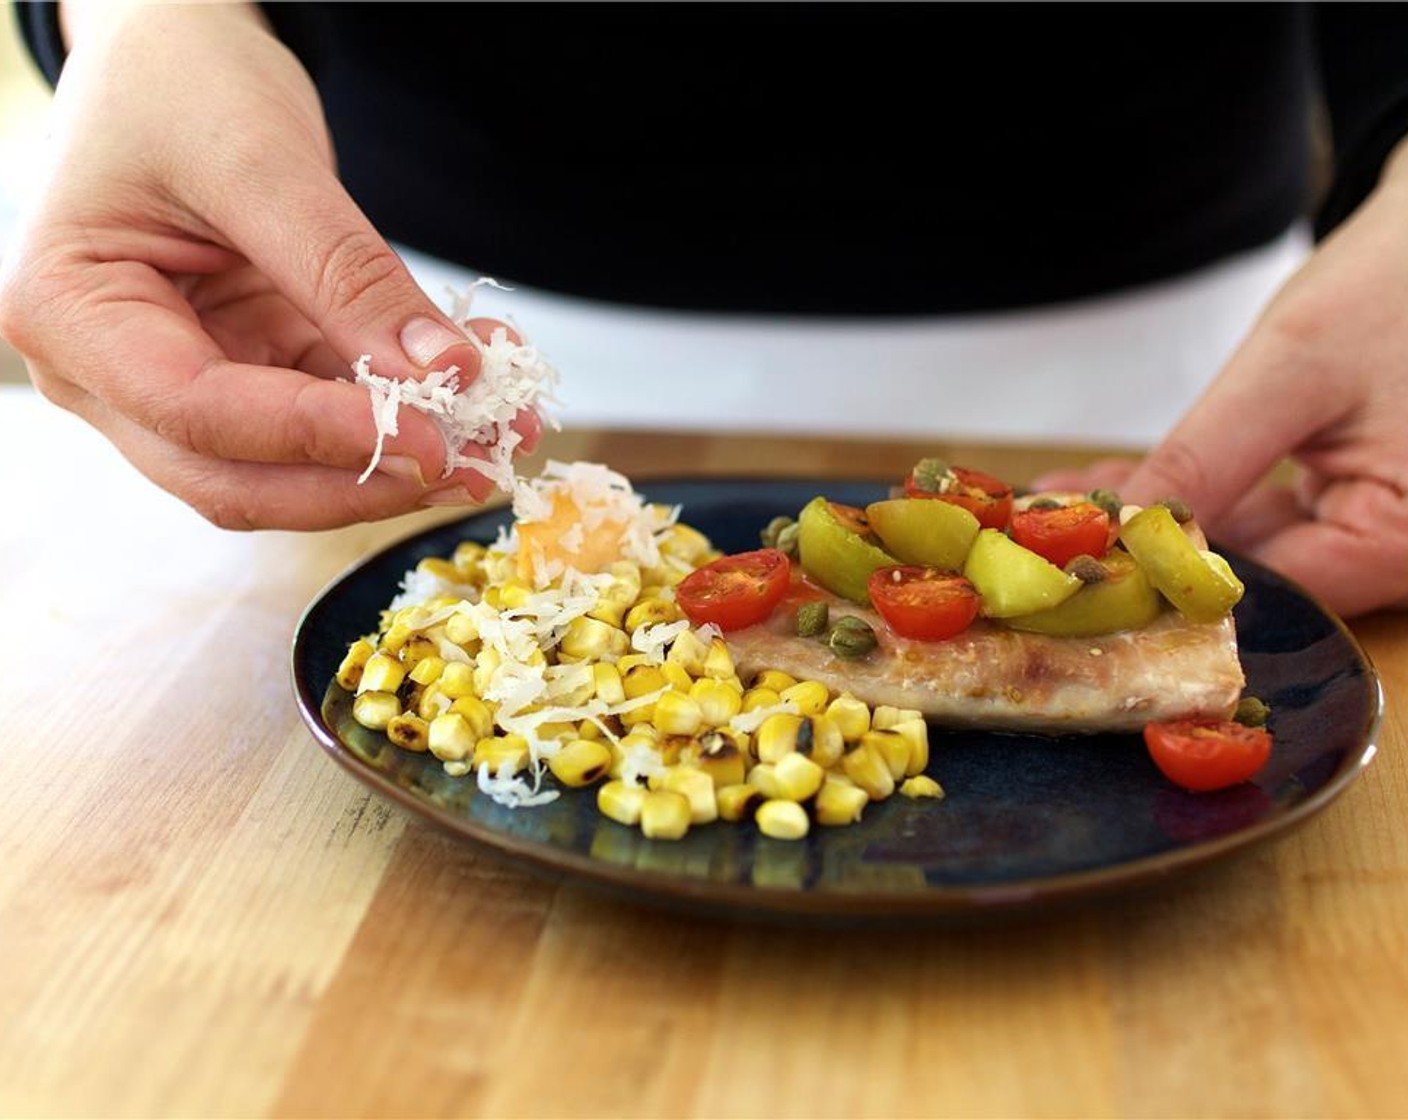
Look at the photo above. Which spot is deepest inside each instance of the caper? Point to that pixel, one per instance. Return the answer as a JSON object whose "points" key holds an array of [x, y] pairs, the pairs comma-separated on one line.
{"points": [[1251, 712], [1045, 503], [1107, 500], [774, 529], [1178, 508], [1087, 569], [812, 619], [787, 540], [852, 638], [932, 475]]}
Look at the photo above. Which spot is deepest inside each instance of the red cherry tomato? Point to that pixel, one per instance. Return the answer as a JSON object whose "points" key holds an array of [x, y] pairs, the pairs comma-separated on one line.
{"points": [[987, 498], [1207, 754], [1062, 534], [735, 591], [923, 603]]}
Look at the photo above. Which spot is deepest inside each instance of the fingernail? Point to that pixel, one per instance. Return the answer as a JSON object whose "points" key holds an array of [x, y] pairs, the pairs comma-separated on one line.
{"points": [[401, 467], [423, 340], [450, 496]]}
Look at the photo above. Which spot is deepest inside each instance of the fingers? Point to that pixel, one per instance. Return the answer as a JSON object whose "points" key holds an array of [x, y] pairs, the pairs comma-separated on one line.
{"points": [[1103, 474]]}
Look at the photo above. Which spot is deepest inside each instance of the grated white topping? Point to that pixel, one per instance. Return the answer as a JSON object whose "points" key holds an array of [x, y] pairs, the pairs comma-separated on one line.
{"points": [[475, 416]]}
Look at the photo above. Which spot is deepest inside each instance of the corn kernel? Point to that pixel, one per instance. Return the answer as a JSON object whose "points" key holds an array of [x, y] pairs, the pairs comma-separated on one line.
{"points": [[432, 702], [487, 663], [763, 777], [797, 777], [718, 701], [606, 680], [613, 603], [774, 679], [642, 680], [676, 676], [760, 698], [556, 729], [688, 651], [580, 762], [466, 558], [629, 661], [502, 753], [457, 680], [593, 640], [851, 716], [826, 745], [685, 543], [915, 732], [868, 769], [892, 747], [725, 764], [440, 568], [811, 697], [349, 673], [477, 714], [777, 736], [374, 710], [621, 801], [409, 732], [697, 788], [382, 673], [664, 814], [651, 612], [738, 802], [921, 785], [427, 670], [782, 820], [451, 739], [718, 661], [677, 714], [886, 716], [462, 629], [839, 802]]}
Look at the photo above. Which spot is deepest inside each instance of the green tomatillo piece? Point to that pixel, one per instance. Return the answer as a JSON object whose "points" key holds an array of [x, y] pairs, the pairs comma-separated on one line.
{"points": [[930, 534], [1123, 599], [1200, 584], [834, 548], [1013, 580]]}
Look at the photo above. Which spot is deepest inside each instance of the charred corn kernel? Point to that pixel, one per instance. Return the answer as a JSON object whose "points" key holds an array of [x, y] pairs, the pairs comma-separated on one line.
{"points": [[606, 681], [349, 673], [462, 629], [886, 716], [594, 640], [416, 650], [432, 702], [774, 679], [580, 762], [440, 568], [618, 596], [688, 651], [763, 777], [760, 698], [685, 542], [798, 777], [382, 673], [725, 764], [651, 612], [718, 701], [676, 676], [839, 802], [826, 745], [738, 802], [777, 736], [374, 710], [921, 785], [868, 769], [451, 737], [664, 814], [811, 697], [718, 661], [677, 714], [456, 680], [477, 714], [502, 753], [427, 670], [466, 558], [396, 636], [892, 747], [621, 801], [782, 820], [409, 732], [916, 733], [697, 788], [642, 680]]}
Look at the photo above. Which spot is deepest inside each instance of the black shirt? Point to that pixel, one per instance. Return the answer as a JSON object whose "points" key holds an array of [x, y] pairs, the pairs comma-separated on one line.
{"points": [[838, 158]]}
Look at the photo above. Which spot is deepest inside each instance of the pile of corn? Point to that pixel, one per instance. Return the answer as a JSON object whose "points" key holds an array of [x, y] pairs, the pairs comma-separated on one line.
{"points": [[686, 741]]}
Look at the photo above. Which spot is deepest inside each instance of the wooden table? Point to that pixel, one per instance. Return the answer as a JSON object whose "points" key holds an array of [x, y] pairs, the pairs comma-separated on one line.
{"points": [[201, 915]]}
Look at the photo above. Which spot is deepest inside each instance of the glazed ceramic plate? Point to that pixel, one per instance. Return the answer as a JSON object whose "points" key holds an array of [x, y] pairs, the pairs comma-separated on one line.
{"points": [[1027, 821]]}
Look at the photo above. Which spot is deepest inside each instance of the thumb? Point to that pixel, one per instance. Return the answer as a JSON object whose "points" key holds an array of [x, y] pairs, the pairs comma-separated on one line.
{"points": [[1261, 408], [327, 259]]}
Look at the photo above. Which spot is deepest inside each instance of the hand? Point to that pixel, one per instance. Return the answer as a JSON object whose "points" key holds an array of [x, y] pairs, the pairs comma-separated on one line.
{"points": [[1322, 379], [195, 282]]}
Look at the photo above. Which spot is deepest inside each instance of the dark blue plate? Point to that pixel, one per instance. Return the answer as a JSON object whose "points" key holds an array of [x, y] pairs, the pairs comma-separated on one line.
{"points": [[1027, 821]]}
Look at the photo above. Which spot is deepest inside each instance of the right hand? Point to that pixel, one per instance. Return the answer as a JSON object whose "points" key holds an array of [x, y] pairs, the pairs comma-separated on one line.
{"points": [[195, 282]]}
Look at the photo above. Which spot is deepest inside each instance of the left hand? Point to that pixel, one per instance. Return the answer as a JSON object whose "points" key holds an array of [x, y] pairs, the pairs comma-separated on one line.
{"points": [[1321, 379]]}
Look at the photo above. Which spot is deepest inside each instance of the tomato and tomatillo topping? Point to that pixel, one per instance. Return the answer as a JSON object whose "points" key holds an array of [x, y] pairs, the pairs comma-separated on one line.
{"points": [[1061, 533], [987, 498], [736, 591]]}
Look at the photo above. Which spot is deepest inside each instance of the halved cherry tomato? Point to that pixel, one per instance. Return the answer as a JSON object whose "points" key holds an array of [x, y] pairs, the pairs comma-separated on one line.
{"points": [[987, 498], [1207, 754], [736, 591], [926, 604], [1060, 535]]}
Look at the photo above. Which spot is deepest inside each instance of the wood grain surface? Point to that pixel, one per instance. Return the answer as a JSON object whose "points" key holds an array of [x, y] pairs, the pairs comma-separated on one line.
{"points": [[201, 915]]}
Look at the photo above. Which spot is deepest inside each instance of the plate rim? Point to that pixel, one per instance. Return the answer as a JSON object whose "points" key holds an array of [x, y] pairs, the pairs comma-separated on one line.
{"points": [[937, 901]]}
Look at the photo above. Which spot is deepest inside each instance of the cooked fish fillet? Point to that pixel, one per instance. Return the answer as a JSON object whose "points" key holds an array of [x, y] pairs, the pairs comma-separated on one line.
{"points": [[994, 678]]}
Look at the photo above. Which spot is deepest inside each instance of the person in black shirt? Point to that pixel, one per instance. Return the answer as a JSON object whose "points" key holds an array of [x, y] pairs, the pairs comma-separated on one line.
{"points": [[201, 270]]}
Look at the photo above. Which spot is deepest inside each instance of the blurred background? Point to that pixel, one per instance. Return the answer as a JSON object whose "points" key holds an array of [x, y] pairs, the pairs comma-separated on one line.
{"points": [[24, 102]]}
